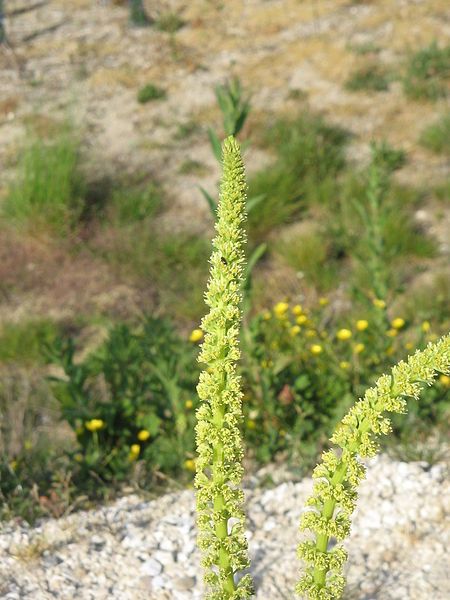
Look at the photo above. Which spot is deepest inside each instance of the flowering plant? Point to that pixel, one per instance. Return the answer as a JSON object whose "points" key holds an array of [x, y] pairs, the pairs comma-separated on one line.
{"points": [[219, 472]]}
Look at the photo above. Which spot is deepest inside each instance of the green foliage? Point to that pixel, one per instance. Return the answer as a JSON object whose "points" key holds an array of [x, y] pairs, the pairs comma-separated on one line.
{"points": [[436, 137], [309, 154], [311, 254], [427, 73], [22, 342], [128, 206], [150, 92], [301, 368], [138, 16], [373, 78], [169, 22], [126, 402], [235, 108], [50, 189]]}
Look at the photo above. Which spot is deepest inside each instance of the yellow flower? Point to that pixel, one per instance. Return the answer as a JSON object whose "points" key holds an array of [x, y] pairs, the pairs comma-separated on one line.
{"points": [[266, 315], [189, 464], [323, 301], [362, 324], [345, 365], [301, 319], [358, 348], [398, 323], [392, 332], [295, 330], [143, 435], [135, 450], [344, 334], [426, 326], [409, 345], [94, 424], [251, 424], [390, 350], [78, 457], [316, 349], [297, 309], [13, 465], [188, 404], [311, 333], [196, 335], [282, 433], [379, 303], [445, 380], [280, 309]]}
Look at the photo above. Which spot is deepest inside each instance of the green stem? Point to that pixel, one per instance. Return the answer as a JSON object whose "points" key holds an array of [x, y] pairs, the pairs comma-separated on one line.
{"points": [[323, 539]]}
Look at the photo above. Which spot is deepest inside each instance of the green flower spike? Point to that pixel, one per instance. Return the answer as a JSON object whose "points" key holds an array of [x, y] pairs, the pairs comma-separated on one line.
{"points": [[220, 517], [336, 479]]}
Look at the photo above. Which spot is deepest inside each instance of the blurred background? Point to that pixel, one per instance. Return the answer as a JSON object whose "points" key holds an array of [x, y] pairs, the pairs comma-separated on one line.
{"points": [[111, 119]]}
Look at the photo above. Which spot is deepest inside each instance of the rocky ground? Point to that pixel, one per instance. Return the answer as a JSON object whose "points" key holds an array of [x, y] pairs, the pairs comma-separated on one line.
{"points": [[135, 549]]}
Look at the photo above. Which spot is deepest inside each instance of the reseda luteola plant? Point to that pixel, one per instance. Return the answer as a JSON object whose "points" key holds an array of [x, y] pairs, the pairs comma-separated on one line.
{"points": [[336, 479], [220, 517], [219, 470]]}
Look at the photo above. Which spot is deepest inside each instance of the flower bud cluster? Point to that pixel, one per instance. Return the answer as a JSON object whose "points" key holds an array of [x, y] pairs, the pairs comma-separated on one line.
{"points": [[219, 471], [336, 479]]}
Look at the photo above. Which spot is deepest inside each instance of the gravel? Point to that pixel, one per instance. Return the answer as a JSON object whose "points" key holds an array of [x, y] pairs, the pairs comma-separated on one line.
{"points": [[138, 549]]}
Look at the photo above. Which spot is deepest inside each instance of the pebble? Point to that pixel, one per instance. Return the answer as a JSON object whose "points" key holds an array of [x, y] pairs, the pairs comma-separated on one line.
{"points": [[136, 550]]}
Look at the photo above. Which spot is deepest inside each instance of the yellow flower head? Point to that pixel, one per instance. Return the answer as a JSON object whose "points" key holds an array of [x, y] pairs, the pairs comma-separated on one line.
{"points": [[379, 303], [266, 315], [362, 324], [445, 380], [295, 330], [78, 457], [251, 424], [196, 335], [280, 309], [409, 346], [392, 332], [297, 309], [323, 301], [316, 349], [301, 319], [358, 348], [143, 435], [426, 326], [311, 333], [135, 450], [188, 404], [398, 323], [344, 334], [390, 351], [94, 424], [345, 365], [189, 464]]}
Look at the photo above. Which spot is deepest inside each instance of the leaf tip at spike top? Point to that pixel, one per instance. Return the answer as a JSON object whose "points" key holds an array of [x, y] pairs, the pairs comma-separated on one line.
{"points": [[219, 445], [337, 477]]}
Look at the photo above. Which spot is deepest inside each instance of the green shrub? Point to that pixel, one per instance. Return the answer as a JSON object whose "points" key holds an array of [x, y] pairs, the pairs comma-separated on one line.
{"points": [[372, 78], [436, 137], [309, 155], [50, 189], [129, 401], [169, 22], [22, 343], [427, 73], [128, 206], [150, 92]]}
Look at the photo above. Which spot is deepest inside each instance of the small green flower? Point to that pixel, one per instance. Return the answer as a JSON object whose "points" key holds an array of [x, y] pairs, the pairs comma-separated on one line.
{"points": [[220, 517], [336, 479]]}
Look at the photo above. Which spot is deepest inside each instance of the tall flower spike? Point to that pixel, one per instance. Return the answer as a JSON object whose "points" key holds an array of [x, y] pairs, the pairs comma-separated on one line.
{"points": [[220, 517], [336, 479]]}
